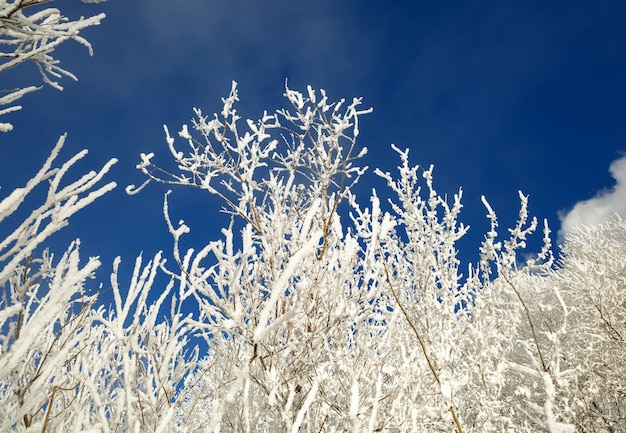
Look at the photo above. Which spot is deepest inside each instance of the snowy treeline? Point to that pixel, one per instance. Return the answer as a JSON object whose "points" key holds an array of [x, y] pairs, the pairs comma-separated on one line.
{"points": [[322, 311]]}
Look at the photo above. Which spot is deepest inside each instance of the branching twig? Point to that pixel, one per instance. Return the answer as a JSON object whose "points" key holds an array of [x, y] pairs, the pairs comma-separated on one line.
{"points": [[431, 366]]}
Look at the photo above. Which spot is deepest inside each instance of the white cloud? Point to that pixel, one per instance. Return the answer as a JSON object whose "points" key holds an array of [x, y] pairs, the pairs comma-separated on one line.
{"points": [[603, 206]]}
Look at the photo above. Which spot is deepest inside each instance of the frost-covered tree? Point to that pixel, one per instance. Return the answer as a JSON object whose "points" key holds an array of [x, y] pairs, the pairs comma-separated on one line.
{"points": [[324, 315], [592, 278], [43, 304], [320, 314], [321, 310], [68, 363], [29, 33]]}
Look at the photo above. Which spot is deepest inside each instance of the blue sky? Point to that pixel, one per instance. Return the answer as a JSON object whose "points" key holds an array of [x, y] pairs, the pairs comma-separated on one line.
{"points": [[499, 96]]}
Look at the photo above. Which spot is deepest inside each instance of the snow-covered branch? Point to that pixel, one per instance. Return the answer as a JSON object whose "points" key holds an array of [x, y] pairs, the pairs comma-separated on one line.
{"points": [[29, 34]]}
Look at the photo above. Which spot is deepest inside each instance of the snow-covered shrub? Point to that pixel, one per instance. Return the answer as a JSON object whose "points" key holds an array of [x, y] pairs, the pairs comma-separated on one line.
{"points": [[321, 314]]}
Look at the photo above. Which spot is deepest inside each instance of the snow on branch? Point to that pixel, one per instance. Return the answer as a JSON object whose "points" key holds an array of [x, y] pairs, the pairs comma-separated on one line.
{"points": [[30, 35], [317, 313], [60, 204]]}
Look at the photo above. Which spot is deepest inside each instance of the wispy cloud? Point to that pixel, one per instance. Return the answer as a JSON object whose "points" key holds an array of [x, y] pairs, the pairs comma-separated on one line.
{"points": [[603, 206], [258, 39]]}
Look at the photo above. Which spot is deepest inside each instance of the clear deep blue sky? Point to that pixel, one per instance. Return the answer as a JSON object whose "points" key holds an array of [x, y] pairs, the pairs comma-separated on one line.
{"points": [[499, 96]]}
